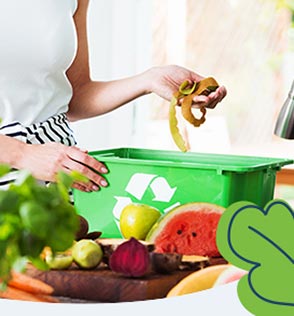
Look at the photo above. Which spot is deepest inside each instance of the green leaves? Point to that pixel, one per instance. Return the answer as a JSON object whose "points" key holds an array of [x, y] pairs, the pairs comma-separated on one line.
{"points": [[261, 242], [33, 216]]}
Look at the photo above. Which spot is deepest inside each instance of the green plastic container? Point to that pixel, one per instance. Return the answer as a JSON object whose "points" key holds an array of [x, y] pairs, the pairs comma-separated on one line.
{"points": [[165, 179]]}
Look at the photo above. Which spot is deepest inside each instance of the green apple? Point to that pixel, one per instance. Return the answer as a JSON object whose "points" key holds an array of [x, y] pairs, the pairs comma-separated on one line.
{"points": [[87, 253], [137, 219]]}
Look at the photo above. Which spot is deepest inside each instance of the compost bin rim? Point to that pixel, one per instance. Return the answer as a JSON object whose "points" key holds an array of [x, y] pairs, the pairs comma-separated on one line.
{"points": [[264, 163]]}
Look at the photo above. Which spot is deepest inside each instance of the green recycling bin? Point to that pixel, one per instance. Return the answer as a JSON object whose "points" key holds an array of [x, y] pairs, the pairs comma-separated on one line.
{"points": [[165, 179]]}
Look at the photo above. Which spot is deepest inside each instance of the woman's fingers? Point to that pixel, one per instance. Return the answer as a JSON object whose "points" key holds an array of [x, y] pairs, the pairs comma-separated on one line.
{"points": [[81, 187], [88, 166], [82, 157], [210, 101], [95, 178], [200, 100], [216, 97]]}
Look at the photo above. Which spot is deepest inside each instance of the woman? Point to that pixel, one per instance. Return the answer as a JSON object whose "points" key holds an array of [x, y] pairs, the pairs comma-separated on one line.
{"points": [[45, 82]]}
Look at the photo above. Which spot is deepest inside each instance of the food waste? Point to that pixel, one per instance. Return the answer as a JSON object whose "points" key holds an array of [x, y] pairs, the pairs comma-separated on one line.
{"points": [[181, 239], [130, 258], [186, 93], [188, 229]]}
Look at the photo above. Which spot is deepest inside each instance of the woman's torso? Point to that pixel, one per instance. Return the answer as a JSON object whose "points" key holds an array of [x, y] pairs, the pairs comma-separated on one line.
{"points": [[38, 44]]}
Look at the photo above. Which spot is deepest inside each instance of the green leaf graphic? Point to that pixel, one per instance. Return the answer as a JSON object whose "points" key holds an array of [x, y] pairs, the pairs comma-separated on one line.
{"points": [[261, 242]]}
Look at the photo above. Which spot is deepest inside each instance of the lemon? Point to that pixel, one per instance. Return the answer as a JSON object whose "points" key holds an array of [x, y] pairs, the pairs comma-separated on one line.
{"points": [[137, 219]]}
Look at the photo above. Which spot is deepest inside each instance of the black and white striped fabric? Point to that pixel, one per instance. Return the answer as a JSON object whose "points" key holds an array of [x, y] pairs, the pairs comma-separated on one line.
{"points": [[55, 129]]}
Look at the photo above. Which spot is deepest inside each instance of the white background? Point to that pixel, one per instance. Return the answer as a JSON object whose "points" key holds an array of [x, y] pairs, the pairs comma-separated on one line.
{"points": [[220, 300]]}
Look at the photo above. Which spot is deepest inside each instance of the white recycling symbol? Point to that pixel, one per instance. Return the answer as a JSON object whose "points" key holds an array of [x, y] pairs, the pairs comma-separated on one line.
{"points": [[137, 186]]}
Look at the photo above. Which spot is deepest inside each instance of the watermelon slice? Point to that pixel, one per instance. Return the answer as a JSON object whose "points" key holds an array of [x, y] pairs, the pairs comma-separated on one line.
{"points": [[189, 229]]}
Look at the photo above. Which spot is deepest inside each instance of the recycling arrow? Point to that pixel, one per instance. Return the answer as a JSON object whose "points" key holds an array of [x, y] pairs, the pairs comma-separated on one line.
{"points": [[121, 202], [162, 190], [138, 184]]}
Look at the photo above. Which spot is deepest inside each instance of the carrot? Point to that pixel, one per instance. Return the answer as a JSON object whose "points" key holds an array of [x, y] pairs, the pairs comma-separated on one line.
{"points": [[16, 294], [29, 284]]}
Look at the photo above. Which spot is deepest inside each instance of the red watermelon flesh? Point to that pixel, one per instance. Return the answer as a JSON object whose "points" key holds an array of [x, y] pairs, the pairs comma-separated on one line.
{"points": [[190, 231]]}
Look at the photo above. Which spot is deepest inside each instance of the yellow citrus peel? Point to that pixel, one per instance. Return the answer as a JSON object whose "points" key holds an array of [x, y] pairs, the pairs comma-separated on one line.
{"points": [[204, 86]]}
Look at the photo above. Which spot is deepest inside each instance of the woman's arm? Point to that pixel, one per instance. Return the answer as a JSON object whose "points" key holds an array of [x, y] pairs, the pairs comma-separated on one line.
{"points": [[46, 160], [92, 98], [11, 151]]}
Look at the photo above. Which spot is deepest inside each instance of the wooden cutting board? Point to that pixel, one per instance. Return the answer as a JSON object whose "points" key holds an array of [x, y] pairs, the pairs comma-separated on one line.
{"points": [[103, 285]]}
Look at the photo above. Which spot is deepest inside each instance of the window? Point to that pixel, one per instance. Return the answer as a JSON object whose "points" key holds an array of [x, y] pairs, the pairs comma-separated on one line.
{"points": [[247, 45]]}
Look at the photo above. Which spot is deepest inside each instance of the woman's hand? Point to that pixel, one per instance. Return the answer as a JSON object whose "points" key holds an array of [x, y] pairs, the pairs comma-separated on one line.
{"points": [[165, 80], [46, 160]]}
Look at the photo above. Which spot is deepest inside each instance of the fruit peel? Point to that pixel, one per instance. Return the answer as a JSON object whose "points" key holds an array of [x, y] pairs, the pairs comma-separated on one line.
{"points": [[173, 126], [205, 86], [197, 281], [59, 261]]}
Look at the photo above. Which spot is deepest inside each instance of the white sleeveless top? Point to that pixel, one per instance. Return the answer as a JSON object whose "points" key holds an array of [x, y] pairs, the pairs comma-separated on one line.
{"points": [[38, 44]]}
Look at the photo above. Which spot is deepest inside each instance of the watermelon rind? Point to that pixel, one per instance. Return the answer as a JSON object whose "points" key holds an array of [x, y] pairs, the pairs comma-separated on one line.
{"points": [[165, 218]]}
